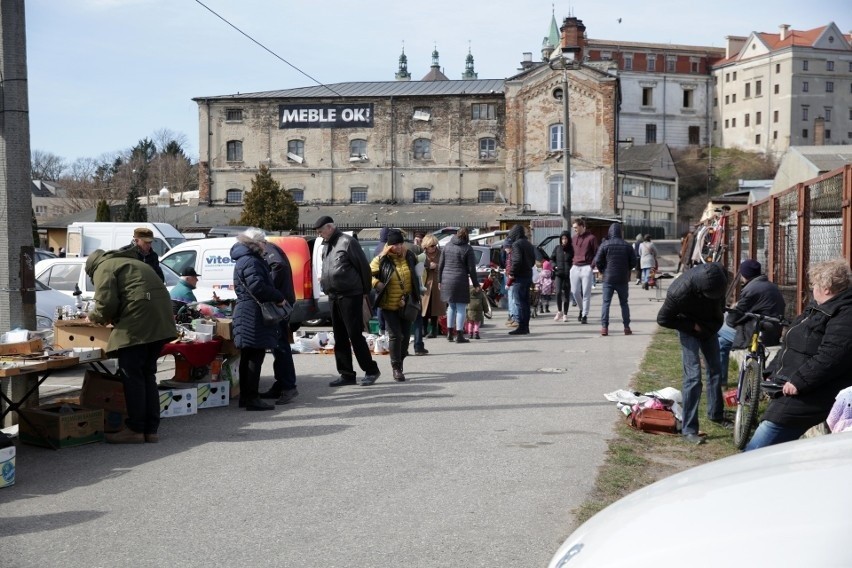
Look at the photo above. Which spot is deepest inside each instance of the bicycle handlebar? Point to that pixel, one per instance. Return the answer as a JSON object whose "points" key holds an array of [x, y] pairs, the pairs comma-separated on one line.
{"points": [[762, 318]]}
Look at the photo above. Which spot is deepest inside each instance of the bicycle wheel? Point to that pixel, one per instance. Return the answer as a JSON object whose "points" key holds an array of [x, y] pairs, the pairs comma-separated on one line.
{"points": [[746, 418]]}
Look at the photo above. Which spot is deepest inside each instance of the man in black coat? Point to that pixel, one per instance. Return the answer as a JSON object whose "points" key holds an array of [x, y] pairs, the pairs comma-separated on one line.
{"points": [[523, 260], [694, 306], [284, 387], [615, 259], [563, 257]]}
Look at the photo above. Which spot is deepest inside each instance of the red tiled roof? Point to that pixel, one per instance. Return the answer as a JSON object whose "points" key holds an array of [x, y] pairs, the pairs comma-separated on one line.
{"points": [[794, 38]]}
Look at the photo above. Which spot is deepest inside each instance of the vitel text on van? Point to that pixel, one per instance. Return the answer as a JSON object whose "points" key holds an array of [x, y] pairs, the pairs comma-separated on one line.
{"points": [[326, 115]]}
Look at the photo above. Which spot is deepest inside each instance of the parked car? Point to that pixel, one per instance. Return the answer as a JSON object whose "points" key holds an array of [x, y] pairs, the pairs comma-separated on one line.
{"points": [[47, 300], [783, 505], [41, 254]]}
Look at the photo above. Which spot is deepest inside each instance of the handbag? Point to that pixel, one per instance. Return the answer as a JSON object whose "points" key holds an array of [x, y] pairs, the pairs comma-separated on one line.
{"points": [[272, 313], [654, 421]]}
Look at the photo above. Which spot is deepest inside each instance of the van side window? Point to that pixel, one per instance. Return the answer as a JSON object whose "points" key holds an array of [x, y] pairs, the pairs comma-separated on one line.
{"points": [[180, 260]]}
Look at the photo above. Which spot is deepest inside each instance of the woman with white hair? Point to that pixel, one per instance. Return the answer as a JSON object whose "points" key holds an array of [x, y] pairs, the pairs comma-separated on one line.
{"points": [[253, 285]]}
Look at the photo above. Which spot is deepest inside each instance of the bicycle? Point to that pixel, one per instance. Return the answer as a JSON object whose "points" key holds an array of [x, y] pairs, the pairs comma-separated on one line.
{"points": [[750, 379]]}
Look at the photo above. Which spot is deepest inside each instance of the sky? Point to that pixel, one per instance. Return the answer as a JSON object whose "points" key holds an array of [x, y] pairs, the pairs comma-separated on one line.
{"points": [[104, 74]]}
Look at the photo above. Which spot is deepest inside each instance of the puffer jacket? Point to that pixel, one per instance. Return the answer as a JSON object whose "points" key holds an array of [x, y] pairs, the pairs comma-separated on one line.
{"points": [[130, 296], [759, 296], [252, 284], [345, 269], [696, 297], [564, 257], [523, 255], [816, 356], [398, 276], [457, 271], [615, 258]]}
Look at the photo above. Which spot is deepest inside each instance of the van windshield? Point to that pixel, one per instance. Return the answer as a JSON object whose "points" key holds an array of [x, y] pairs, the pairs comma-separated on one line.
{"points": [[175, 241]]}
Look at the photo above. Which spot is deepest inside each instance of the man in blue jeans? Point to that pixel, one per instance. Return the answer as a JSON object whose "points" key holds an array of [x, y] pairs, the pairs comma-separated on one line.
{"points": [[614, 259], [694, 306]]}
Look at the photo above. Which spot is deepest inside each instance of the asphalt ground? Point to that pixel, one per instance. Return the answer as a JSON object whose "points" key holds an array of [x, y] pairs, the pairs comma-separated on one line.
{"points": [[477, 460]]}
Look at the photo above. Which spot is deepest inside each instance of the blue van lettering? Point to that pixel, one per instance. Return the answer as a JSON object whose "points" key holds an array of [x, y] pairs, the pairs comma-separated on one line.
{"points": [[218, 260]]}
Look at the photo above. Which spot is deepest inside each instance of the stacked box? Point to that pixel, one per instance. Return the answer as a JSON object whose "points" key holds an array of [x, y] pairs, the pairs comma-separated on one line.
{"points": [[107, 393], [209, 394], [22, 347], [7, 466], [178, 402], [61, 425], [73, 333]]}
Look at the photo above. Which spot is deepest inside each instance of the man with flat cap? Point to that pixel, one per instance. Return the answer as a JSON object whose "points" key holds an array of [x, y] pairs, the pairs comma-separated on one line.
{"points": [[141, 245], [346, 279], [183, 290]]}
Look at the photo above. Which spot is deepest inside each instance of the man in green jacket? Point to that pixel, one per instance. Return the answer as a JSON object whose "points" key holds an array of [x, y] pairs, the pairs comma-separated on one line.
{"points": [[130, 296]]}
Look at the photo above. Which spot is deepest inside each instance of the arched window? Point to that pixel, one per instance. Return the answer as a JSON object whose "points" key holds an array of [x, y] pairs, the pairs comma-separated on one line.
{"points": [[487, 148], [234, 196], [235, 151], [298, 195], [422, 195], [487, 195], [422, 149]]}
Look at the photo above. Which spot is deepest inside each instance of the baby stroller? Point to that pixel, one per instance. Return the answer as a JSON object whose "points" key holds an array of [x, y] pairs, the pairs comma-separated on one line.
{"points": [[535, 299]]}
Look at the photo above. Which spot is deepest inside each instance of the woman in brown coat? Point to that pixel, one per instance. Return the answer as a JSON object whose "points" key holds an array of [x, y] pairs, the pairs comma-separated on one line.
{"points": [[433, 307]]}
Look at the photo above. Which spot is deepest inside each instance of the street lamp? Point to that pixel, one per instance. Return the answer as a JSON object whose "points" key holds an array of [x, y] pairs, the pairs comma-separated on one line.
{"points": [[164, 201], [563, 63]]}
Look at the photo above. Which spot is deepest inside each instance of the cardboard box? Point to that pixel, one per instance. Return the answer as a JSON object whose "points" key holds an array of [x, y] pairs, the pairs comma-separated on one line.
{"points": [[7, 466], [230, 373], [228, 348], [102, 391], [225, 328], [213, 395], [178, 402], [88, 354], [51, 424], [71, 333], [22, 347]]}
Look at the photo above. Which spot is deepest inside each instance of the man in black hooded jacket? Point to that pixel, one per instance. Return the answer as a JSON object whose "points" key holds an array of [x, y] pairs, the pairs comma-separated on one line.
{"points": [[523, 260], [615, 259]]}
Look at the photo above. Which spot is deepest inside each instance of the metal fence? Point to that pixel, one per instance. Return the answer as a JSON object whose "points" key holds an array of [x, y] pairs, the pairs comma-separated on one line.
{"points": [[788, 231]]}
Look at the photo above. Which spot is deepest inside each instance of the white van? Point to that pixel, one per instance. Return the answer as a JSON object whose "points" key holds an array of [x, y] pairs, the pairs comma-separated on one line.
{"points": [[84, 237]]}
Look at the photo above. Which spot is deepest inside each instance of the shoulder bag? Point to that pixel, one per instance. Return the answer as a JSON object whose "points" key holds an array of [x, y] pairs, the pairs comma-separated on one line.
{"points": [[412, 303], [271, 312]]}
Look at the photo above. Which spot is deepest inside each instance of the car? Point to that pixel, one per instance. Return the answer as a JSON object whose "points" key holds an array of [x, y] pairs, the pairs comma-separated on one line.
{"points": [[783, 505], [41, 254], [47, 301]]}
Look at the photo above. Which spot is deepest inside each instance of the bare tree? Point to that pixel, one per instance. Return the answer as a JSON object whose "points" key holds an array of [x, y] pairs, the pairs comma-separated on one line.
{"points": [[46, 166]]}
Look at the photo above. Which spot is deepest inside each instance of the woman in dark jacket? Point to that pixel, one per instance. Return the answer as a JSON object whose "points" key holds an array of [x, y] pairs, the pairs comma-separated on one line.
{"points": [[253, 285], [456, 274], [815, 359], [564, 258]]}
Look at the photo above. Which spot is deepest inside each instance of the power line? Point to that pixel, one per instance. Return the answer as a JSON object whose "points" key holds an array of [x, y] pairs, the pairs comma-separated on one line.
{"points": [[321, 84]]}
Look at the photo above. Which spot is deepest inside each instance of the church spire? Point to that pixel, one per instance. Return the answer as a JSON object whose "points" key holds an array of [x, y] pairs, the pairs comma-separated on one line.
{"points": [[403, 74], [469, 73], [552, 39]]}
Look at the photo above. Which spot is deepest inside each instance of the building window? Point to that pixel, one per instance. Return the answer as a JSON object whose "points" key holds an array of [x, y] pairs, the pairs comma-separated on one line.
{"points": [[849, 135], [652, 63], [483, 111], [628, 62], [694, 66], [234, 115], [358, 148], [647, 96], [777, 68], [805, 65], [734, 77], [758, 88], [757, 139], [805, 88], [235, 151], [487, 148], [422, 149], [850, 114], [758, 118], [827, 134], [687, 98], [715, 101], [804, 113], [777, 89], [827, 114], [726, 123], [805, 133], [727, 99], [661, 191], [633, 188], [829, 65], [422, 113], [487, 195], [422, 195], [358, 195], [775, 135], [734, 98], [733, 123], [41, 209], [606, 56], [747, 90], [695, 135], [715, 125], [650, 134], [296, 150], [671, 63], [775, 115], [298, 195], [234, 196], [554, 194], [557, 136], [748, 119], [727, 77], [829, 86]]}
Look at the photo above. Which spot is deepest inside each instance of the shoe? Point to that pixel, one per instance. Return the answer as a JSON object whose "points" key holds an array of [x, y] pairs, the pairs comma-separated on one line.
{"points": [[604, 331], [432, 335], [565, 318], [693, 439], [271, 393], [476, 335], [370, 379], [628, 331], [513, 323], [723, 423], [519, 331], [398, 376], [638, 281], [450, 335], [580, 318], [152, 438], [547, 309], [126, 436], [558, 316], [462, 339], [419, 352], [257, 404], [287, 396], [644, 286], [584, 320], [342, 381]]}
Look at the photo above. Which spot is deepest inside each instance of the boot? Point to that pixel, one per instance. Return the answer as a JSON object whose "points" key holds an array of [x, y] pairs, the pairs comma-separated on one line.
{"points": [[450, 334], [547, 308], [461, 338]]}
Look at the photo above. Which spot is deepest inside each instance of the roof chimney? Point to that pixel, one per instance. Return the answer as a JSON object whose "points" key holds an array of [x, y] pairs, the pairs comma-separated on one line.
{"points": [[573, 37], [784, 29], [527, 62]]}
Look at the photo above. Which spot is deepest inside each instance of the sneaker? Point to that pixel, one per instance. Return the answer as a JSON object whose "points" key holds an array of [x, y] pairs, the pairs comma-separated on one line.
{"points": [[604, 331], [565, 318], [512, 323], [628, 331], [558, 316], [419, 352], [580, 317], [342, 381], [287, 396], [370, 379], [693, 439], [584, 320]]}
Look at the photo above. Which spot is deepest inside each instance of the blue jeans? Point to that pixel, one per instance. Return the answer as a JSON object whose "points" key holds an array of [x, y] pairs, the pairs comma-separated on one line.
{"points": [[456, 314], [646, 273], [690, 347], [769, 433], [282, 366], [521, 292], [726, 339], [622, 290], [418, 334], [512, 303]]}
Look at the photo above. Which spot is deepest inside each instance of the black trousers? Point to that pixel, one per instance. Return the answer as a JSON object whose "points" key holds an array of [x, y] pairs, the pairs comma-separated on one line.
{"points": [[563, 293], [399, 334], [347, 322], [138, 368], [251, 362]]}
